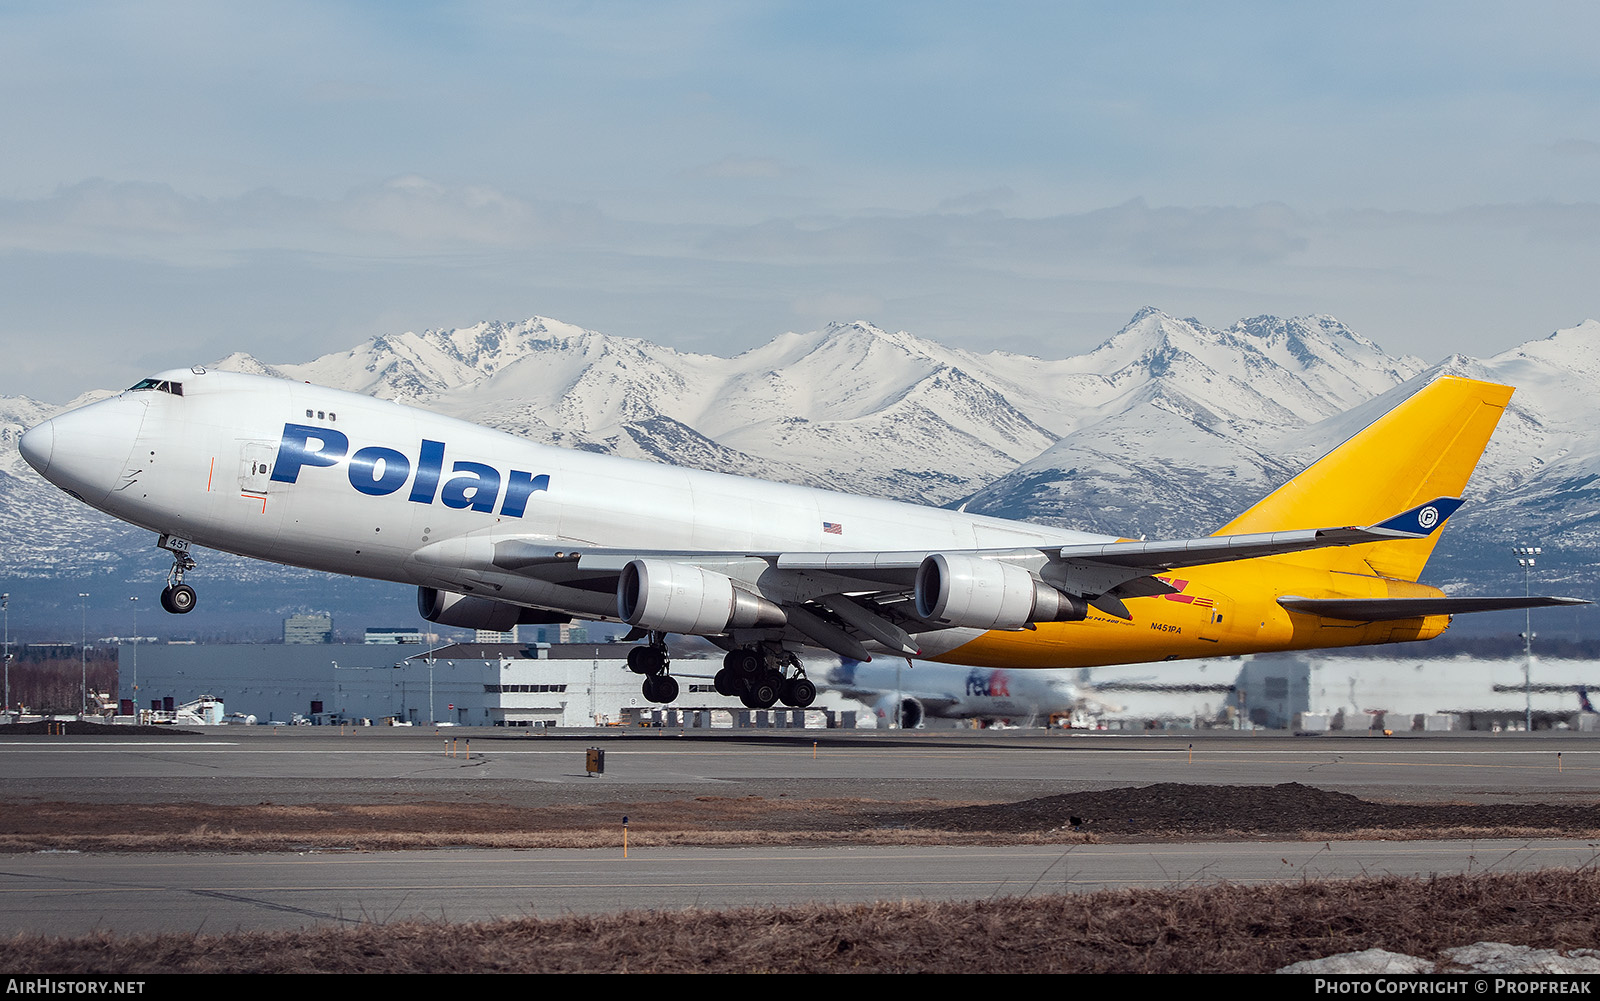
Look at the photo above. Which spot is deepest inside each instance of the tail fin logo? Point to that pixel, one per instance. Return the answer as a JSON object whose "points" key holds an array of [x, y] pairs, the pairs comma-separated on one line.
{"points": [[1422, 520]]}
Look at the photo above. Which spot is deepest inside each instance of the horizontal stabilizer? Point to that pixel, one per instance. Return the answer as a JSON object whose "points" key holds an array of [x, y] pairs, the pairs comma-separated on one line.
{"points": [[1173, 554], [1384, 609]]}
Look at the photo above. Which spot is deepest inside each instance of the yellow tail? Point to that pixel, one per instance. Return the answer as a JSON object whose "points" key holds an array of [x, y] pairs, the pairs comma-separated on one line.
{"points": [[1424, 448]]}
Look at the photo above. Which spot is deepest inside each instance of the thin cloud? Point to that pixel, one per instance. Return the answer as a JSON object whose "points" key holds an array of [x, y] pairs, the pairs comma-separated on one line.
{"points": [[408, 214], [742, 168], [1575, 148]]}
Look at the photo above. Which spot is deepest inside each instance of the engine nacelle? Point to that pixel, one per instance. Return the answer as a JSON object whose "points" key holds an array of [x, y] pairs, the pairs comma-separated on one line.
{"points": [[989, 594], [902, 710], [468, 611], [679, 598]]}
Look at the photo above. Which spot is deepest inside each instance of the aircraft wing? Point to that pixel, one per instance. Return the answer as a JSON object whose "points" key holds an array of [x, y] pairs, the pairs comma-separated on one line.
{"points": [[1383, 609], [840, 600], [933, 704], [1097, 568]]}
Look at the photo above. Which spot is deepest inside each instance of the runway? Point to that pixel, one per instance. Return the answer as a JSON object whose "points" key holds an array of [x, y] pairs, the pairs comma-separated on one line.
{"points": [[312, 764], [67, 893]]}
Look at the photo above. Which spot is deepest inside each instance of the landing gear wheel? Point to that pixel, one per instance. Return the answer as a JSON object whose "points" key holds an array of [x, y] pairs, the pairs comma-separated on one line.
{"points": [[660, 688], [799, 693], [745, 661], [179, 599], [636, 660], [728, 682], [763, 692], [647, 660]]}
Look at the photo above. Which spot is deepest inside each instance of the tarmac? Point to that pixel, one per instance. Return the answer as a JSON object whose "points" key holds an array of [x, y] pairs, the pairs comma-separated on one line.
{"points": [[67, 893]]}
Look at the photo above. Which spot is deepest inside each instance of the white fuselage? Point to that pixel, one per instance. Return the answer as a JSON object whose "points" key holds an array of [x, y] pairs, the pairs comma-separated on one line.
{"points": [[315, 477]]}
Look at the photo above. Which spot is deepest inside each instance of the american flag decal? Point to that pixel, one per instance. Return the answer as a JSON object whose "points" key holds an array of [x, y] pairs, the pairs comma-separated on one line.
{"points": [[832, 528]]}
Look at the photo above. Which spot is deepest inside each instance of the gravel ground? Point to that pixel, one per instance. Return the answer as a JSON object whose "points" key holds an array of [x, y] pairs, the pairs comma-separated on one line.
{"points": [[1155, 812]]}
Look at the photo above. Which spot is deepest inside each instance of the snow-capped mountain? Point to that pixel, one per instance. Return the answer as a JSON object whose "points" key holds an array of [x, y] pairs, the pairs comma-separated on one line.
{"points": [[1167, 429], [1541, 472], [857, 408], [850, 407], [1181, 426]]}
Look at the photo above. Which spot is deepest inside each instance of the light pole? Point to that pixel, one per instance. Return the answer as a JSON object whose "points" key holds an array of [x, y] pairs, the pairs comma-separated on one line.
{"points": [[135, 666], [83, 650], [1525, 559], [5, 609]]}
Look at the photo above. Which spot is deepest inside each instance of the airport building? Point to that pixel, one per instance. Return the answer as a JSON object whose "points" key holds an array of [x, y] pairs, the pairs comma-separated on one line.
{"points": [[312, 628], [579, 684], [467, 684], [391, 635], [1313, 691]]}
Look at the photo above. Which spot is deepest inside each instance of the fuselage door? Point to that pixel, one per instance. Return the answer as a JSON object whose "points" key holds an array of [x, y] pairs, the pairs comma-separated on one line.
{"points": [[255, 465], [1217, 618]]}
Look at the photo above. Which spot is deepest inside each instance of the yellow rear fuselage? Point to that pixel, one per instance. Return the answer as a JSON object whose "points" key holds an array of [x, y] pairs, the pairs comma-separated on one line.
{"points": [[1219, 611]]}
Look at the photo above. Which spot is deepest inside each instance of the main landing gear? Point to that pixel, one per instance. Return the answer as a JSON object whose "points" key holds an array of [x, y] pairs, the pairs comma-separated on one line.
{"points": [[652, 661], [177, 597], [757, 676]]}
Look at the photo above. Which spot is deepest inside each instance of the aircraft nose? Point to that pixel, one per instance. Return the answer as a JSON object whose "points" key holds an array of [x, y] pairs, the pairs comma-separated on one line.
{"points": [[36, 445], [85, 451]]}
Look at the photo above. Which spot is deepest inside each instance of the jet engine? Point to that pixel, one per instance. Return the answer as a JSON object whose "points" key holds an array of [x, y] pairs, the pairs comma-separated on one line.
{"points": [[907, 709], [471, 612], [989, 594], [679, 598]]}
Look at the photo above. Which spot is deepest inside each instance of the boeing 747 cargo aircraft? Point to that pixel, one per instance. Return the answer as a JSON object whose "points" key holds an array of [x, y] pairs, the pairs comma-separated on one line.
{"points": [[495, 530]]}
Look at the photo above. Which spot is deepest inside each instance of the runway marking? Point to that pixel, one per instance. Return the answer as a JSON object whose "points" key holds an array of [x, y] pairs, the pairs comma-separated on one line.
{"points": [[869, 855], [997, 882], [1212, 756], [650, 885], [54, 746]]}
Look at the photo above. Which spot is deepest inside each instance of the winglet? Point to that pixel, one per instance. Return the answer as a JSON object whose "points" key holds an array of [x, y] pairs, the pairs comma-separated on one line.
{"points": [[1422, 520]]}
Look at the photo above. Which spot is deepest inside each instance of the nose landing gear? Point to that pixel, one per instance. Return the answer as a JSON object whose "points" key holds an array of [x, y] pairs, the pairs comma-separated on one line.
{"points": [[177, 597]]}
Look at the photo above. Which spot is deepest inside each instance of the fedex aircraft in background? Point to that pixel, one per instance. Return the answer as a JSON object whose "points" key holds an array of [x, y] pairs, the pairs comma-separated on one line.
{"points": [[904, 693], [495, 530]]}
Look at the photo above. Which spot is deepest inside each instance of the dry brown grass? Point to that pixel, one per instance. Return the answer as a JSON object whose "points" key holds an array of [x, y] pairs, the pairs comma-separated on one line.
{"points": [[1227, 928], [707, 820], [204, 839]]}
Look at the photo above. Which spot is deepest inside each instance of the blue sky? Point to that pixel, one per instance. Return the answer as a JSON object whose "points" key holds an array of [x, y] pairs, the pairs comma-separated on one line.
{"points": [[180, 181]]}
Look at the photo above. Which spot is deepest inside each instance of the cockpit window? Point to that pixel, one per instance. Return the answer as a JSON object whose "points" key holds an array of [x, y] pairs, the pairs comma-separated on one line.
{"points": [[160, 385]]}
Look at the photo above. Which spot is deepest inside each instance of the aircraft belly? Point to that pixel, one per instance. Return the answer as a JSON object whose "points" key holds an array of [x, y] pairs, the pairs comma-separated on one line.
{"points": [[512, 588], [1158, 630], [939, 642]]}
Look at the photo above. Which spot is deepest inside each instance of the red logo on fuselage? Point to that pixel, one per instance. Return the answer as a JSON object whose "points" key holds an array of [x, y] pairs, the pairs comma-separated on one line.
{"points": [[1179, 596]]}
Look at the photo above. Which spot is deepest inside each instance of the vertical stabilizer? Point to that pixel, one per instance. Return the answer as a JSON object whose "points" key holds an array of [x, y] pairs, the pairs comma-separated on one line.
{"points": [[1426, 447]]}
